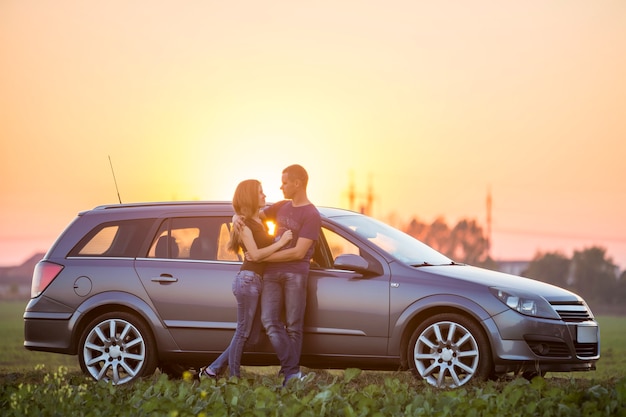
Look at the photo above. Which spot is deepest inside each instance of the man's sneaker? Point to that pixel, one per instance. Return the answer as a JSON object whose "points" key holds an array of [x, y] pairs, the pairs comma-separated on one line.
{"points": [[296, 376], [307, 377], [299, 376]]}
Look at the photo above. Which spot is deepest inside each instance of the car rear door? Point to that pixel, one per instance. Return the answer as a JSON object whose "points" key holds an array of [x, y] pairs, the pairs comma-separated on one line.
{"points": [[188, 275]]}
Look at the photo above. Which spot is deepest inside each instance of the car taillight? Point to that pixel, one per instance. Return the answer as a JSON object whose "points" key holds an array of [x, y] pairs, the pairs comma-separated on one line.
{"points": [[45, 272]]}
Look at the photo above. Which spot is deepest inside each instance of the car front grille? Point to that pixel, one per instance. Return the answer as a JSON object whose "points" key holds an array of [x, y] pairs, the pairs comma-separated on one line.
{"points": [[573, 313]]}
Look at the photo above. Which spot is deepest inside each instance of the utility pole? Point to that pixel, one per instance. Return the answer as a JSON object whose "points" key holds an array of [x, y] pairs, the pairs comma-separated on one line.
{"points": [[351, 193], [366, 201], [489, 220]]}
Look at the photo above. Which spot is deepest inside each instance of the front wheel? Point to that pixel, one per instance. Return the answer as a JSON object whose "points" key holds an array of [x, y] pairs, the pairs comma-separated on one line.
{"points": [[117, 348], [448, 350]]}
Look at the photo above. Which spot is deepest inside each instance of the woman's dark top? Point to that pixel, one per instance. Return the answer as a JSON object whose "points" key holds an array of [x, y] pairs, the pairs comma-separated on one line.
{"points": [[262, 239]]}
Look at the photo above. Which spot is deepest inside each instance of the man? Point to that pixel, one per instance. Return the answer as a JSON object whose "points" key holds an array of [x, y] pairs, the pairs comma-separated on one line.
{"points": [[286, 271]]}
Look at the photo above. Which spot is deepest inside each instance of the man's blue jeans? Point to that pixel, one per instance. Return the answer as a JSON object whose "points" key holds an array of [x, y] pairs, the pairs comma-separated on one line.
{"points": [[284, 291]]}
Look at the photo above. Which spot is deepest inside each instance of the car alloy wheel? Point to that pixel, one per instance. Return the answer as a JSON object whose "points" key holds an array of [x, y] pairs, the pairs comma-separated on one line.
{"points": [[117, 348], [448, 350]]}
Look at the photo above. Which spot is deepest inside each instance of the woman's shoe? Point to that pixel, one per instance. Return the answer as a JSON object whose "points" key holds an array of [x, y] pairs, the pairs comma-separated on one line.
{"points": [[206, 372]]}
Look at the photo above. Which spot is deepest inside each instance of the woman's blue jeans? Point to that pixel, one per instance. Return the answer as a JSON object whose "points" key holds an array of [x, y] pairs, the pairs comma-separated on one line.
{"points": [[285, 292], [247, 287]]}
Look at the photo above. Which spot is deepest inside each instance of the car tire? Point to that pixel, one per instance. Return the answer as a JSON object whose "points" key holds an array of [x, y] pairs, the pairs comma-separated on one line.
{"points": [[448, 350], [117, 348]]}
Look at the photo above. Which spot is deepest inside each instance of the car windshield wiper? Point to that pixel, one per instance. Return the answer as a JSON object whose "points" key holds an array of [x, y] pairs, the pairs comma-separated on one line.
{"points": [[429, 264]]}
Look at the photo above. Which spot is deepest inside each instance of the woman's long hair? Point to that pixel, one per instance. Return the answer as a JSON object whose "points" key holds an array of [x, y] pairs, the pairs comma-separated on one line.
{"points": [[246, 204]]}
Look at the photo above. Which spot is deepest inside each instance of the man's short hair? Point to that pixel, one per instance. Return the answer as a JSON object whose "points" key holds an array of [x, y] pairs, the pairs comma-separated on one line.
{"points": [[297, 172]]}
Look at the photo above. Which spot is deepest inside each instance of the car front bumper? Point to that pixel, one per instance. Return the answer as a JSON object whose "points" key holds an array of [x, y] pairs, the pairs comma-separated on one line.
{"points": [[530, 343]]}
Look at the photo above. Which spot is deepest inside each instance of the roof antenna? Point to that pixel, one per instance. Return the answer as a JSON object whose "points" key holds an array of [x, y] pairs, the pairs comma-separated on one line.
{"points": [[115, 181]]}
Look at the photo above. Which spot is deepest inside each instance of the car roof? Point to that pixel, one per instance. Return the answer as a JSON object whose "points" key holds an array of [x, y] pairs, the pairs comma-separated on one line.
{"points": [[209, 205], [165, 204]]}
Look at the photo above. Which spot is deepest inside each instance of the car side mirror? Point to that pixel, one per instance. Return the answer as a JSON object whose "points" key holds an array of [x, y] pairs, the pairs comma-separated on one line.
{"points": [[351, 262]]}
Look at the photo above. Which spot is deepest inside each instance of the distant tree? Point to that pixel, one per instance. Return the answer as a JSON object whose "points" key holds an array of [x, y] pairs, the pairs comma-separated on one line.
{"points": [[417, 229], [594, 275], [550, 267], [438, 236], [620, 291], [467, 243]]}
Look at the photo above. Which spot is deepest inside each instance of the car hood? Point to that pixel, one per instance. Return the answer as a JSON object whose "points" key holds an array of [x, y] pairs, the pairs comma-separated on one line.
{"points": [[502, 280]]}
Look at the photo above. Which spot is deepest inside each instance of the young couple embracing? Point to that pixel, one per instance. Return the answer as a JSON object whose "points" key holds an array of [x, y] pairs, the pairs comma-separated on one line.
{"points": [[274, 273]]}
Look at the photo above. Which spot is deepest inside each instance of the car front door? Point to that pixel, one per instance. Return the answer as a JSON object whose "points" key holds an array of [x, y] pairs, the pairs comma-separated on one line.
{"points": [[347, 312]]}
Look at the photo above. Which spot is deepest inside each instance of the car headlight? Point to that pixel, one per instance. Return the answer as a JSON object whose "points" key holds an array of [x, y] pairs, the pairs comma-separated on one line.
{"points": [[524, 303]]}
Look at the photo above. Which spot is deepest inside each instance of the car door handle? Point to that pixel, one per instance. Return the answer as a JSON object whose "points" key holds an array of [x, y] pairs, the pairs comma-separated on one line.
{"points": [[165, 279]]}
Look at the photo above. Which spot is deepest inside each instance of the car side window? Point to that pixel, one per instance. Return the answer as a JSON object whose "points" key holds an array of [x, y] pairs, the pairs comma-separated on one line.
{"points": [[338, 245], [117, 239], [223, 254], [101, 242], [193, 238]]}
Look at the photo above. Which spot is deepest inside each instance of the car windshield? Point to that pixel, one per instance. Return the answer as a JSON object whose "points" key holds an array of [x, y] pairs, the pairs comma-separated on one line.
{"points": [[398, 244]]}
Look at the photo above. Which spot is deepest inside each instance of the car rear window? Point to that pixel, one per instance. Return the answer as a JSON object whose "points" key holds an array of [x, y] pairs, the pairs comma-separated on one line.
{"points": [[120, 239]]}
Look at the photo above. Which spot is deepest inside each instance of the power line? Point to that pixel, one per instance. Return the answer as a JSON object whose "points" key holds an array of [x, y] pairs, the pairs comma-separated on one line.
{"points": [[558, 235]]}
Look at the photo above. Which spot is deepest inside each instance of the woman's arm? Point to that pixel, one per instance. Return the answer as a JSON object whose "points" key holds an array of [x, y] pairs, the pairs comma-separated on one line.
{"points": [[255, 254], [292, 254]]}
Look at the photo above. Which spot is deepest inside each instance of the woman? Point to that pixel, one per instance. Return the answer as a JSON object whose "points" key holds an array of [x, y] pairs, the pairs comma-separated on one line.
{"points": [[254, 240]]}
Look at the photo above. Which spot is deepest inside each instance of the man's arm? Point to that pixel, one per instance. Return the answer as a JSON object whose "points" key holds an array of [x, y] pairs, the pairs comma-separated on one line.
{"points": [[291, 254]]}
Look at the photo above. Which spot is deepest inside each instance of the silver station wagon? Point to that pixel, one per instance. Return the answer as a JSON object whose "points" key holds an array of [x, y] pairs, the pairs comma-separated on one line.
{"points": [[132, 287]]}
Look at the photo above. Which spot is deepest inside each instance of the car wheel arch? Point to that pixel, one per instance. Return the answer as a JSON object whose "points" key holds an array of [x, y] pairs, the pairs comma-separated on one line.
{"points": [[104, 303], [422, 309]]}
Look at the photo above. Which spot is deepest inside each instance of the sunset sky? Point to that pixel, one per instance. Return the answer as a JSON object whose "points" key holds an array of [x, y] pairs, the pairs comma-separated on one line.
{"points": [[432, 104]]}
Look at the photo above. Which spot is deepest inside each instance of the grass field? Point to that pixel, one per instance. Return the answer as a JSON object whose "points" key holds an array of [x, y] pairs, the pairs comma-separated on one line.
{"points": [[15, 359], [43, 384], [13, 356]]}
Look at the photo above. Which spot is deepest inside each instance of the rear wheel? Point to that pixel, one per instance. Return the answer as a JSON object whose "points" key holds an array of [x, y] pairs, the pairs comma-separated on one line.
{"points": [[448, 350], [117, 348]]}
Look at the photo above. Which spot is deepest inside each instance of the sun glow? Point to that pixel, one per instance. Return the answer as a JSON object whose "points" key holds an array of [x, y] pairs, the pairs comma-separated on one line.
{"points": [[188, 107], [271, 227]]}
